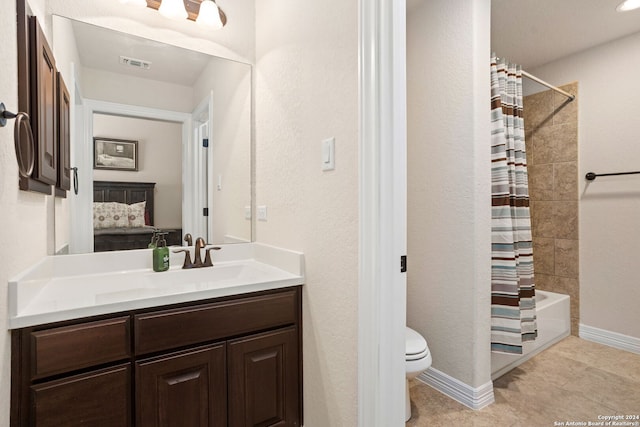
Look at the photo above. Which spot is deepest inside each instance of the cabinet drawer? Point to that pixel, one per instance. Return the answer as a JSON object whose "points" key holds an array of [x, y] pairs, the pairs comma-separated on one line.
{"points": [[58, 350], [94, 399], [191, 325]]}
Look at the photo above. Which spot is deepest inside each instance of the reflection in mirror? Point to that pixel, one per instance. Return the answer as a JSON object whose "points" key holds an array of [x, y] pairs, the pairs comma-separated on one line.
{"points": [[190, 114]]}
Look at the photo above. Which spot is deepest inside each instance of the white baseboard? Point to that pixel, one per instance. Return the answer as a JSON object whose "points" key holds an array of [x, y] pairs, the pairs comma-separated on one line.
{"points": [[474, 398], [612, 339]]}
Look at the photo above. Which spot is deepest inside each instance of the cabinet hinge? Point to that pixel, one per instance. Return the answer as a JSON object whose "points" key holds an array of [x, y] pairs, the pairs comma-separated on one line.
{"points": [[403, 264], [205, 211], [205, 142]]}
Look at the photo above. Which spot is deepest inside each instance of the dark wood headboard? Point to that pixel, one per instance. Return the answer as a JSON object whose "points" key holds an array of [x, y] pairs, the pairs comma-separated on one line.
{"points": [[125, 192]]}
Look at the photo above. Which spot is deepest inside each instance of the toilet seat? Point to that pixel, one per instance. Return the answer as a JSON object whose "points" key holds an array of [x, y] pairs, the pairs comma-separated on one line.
{"points": [[417, 356], [416, 346], [417, 360]]}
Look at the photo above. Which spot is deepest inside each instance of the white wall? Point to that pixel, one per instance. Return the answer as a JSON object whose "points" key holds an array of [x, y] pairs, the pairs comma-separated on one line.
{"points": [[307, 90], [608, 130], [66, 53], [159, 161], [27, 230], [120, 88], [449, 240]]}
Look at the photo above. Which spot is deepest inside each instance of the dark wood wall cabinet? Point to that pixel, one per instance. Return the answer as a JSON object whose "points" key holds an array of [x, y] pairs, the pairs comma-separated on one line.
{"points": [[42, 93], [233, 361], [63, 182]]}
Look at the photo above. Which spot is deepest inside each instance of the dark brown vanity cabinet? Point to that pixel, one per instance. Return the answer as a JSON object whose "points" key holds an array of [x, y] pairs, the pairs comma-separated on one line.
{"points": [[233, 361], [98, 399], [72, 375]]}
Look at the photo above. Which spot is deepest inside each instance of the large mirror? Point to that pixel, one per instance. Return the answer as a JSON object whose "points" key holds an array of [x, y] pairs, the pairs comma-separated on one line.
{"points": [[150, 113]]}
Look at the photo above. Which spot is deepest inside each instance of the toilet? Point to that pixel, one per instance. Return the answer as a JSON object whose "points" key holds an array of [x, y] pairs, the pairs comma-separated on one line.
{"points": [[418, 359]]}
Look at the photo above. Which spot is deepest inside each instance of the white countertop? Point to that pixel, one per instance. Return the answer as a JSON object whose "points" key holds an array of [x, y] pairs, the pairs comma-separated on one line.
{"points": [[68, 287]]}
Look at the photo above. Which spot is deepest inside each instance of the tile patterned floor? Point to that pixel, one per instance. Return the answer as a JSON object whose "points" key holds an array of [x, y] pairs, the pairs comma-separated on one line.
{"points": [[573, 381]]}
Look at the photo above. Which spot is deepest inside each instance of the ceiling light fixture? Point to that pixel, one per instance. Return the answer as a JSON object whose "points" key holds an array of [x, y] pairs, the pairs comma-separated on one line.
{"points": [[209, 15], [173, 9], [205, 12], [628, 5]]}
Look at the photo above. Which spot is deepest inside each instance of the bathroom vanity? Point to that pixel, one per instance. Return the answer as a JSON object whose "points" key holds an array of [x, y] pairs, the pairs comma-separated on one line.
{"points": [[209, 347]]}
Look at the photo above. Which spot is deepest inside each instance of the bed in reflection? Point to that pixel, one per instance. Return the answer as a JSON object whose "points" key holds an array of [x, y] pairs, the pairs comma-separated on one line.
{"points": [[123, 216]]}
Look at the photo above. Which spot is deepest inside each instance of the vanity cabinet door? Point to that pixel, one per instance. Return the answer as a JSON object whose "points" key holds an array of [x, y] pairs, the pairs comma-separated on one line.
{"points": [[43, 105], [95, 399], [182, 389], [264, 387]]}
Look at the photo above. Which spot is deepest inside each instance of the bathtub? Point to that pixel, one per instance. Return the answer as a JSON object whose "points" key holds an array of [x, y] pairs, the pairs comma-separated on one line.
{"points": [[554, 324]]}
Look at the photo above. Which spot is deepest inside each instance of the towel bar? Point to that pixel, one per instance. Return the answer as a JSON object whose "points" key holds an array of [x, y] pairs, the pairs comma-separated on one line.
{"points": [[25, 150]]}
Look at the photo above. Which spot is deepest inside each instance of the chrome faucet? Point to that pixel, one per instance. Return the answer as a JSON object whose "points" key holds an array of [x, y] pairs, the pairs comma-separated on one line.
{"points": [[197, 263]]}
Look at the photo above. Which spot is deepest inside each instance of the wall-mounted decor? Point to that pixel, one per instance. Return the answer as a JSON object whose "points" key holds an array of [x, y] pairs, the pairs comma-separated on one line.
{"points": [[115, 154]]}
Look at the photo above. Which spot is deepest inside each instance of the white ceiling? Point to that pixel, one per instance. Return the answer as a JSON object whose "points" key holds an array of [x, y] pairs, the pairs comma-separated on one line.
{"points": [[527, 32], [100, 48], [535, 32]]}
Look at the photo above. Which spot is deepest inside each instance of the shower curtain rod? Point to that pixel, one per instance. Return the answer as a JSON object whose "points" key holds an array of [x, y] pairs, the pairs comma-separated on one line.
{"points": [[549, 85], [543, 83]]}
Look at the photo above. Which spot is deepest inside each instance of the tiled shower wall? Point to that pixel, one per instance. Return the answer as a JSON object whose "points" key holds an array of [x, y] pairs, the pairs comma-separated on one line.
{"points": [[551, 136]]}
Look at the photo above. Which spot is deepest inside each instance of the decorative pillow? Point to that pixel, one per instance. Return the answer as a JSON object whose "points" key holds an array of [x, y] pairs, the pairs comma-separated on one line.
{"points": [[109, 215], [136, 214]]}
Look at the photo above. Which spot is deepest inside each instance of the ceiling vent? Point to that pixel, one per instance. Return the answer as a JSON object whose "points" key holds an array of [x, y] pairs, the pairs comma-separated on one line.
{"points": [[137, 63]]}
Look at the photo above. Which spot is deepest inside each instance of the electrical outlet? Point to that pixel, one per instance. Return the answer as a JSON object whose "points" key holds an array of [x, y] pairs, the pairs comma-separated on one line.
{"points": [[262, 213]]}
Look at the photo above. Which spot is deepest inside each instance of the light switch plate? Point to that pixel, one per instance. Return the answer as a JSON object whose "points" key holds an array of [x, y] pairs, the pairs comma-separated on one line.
{"points": [[329, 154]]}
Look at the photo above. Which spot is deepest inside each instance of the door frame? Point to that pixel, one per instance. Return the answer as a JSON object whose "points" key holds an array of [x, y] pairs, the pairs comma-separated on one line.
{"points": [[383, 207], [203, 188], [83, 232]]}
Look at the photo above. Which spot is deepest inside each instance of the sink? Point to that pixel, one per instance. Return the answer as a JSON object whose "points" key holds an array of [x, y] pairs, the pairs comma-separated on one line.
{"points": [[72, 286]]}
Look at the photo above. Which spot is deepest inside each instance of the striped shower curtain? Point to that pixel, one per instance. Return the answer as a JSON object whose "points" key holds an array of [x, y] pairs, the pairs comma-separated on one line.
{"points": [[513, 311]]}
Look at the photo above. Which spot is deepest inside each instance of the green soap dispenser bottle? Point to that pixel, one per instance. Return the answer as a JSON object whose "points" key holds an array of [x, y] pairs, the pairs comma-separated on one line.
{"points": [[161, 254]]}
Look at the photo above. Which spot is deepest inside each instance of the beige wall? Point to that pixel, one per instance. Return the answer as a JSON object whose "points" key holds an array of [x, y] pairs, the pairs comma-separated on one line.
{"points": [[449, 240], [607, 142], [551, 128], [230, 142], [306, 91], [26, 218], [159, 161]]}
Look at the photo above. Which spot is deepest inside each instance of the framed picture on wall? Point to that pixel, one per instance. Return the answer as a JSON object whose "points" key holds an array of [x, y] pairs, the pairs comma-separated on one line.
{"points": [[115, 154]]}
